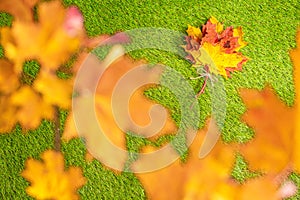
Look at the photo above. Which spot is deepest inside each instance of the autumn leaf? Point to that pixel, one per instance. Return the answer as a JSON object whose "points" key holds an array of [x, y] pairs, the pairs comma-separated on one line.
{"points": [[214, 51], [9, 80], [272, 122], [31, 108], [139, 105], [8, 114], [43, 40], [223, 61], [295, 57], [207, 178], [55, 91], [261, 188], [275, 125], [50, 180], [209, 33], [22, 10]]}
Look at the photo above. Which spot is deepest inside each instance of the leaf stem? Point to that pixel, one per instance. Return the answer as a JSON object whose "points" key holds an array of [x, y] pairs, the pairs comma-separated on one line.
{"points": [[57, 134], [203, 87]]}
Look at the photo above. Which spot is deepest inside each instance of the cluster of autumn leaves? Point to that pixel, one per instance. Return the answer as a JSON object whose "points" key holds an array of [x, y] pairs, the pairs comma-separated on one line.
{"points": [[51, 38]]}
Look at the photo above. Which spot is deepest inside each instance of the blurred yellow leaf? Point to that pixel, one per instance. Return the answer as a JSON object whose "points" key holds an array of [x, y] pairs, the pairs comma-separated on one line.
{"points": [[50, 180], [55, 91], [51, 41], [31, 108]]}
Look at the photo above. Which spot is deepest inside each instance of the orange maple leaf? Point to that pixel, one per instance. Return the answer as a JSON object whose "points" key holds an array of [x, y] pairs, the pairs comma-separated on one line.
{"points": [[272, 147], [9, 80], [207, 178], [276, 143], [20, 9], [295, 56], [139, 105], [50, 180]]}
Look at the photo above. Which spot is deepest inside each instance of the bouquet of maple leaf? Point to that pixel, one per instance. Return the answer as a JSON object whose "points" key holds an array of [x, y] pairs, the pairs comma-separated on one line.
{"points": [[214, 51]]}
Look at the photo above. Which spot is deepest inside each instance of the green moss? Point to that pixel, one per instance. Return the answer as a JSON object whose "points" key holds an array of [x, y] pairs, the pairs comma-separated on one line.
{"points": [[269, 27]]}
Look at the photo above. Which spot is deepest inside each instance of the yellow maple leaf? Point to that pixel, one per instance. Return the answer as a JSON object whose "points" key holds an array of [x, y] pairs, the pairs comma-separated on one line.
{"points": [[223, 61], [31, 108], [194, 32], [49, 179], [55, 91]]}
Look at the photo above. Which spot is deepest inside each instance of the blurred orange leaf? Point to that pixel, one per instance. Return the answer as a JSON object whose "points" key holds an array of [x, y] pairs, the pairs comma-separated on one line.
{"points": [[272, 148], [20, 9], [9, 80], [50, 180], [139, 105], [295, 56], [276, 143], [207, 178]]}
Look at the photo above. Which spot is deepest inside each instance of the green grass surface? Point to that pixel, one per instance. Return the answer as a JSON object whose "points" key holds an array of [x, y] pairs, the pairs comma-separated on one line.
{"points": [[269, 27]]}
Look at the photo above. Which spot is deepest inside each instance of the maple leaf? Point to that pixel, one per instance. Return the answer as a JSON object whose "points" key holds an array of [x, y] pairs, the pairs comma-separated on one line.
{"points": [[227, 41], [139, 105], [295, 57], [207, 178], [31, 108], [277, 135], [50, 180], [260, 189], [55, 91], [20, 9], [8, 114], [9, 80], [43, 40], [225, 63], [272, 134], [209, 33]]}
